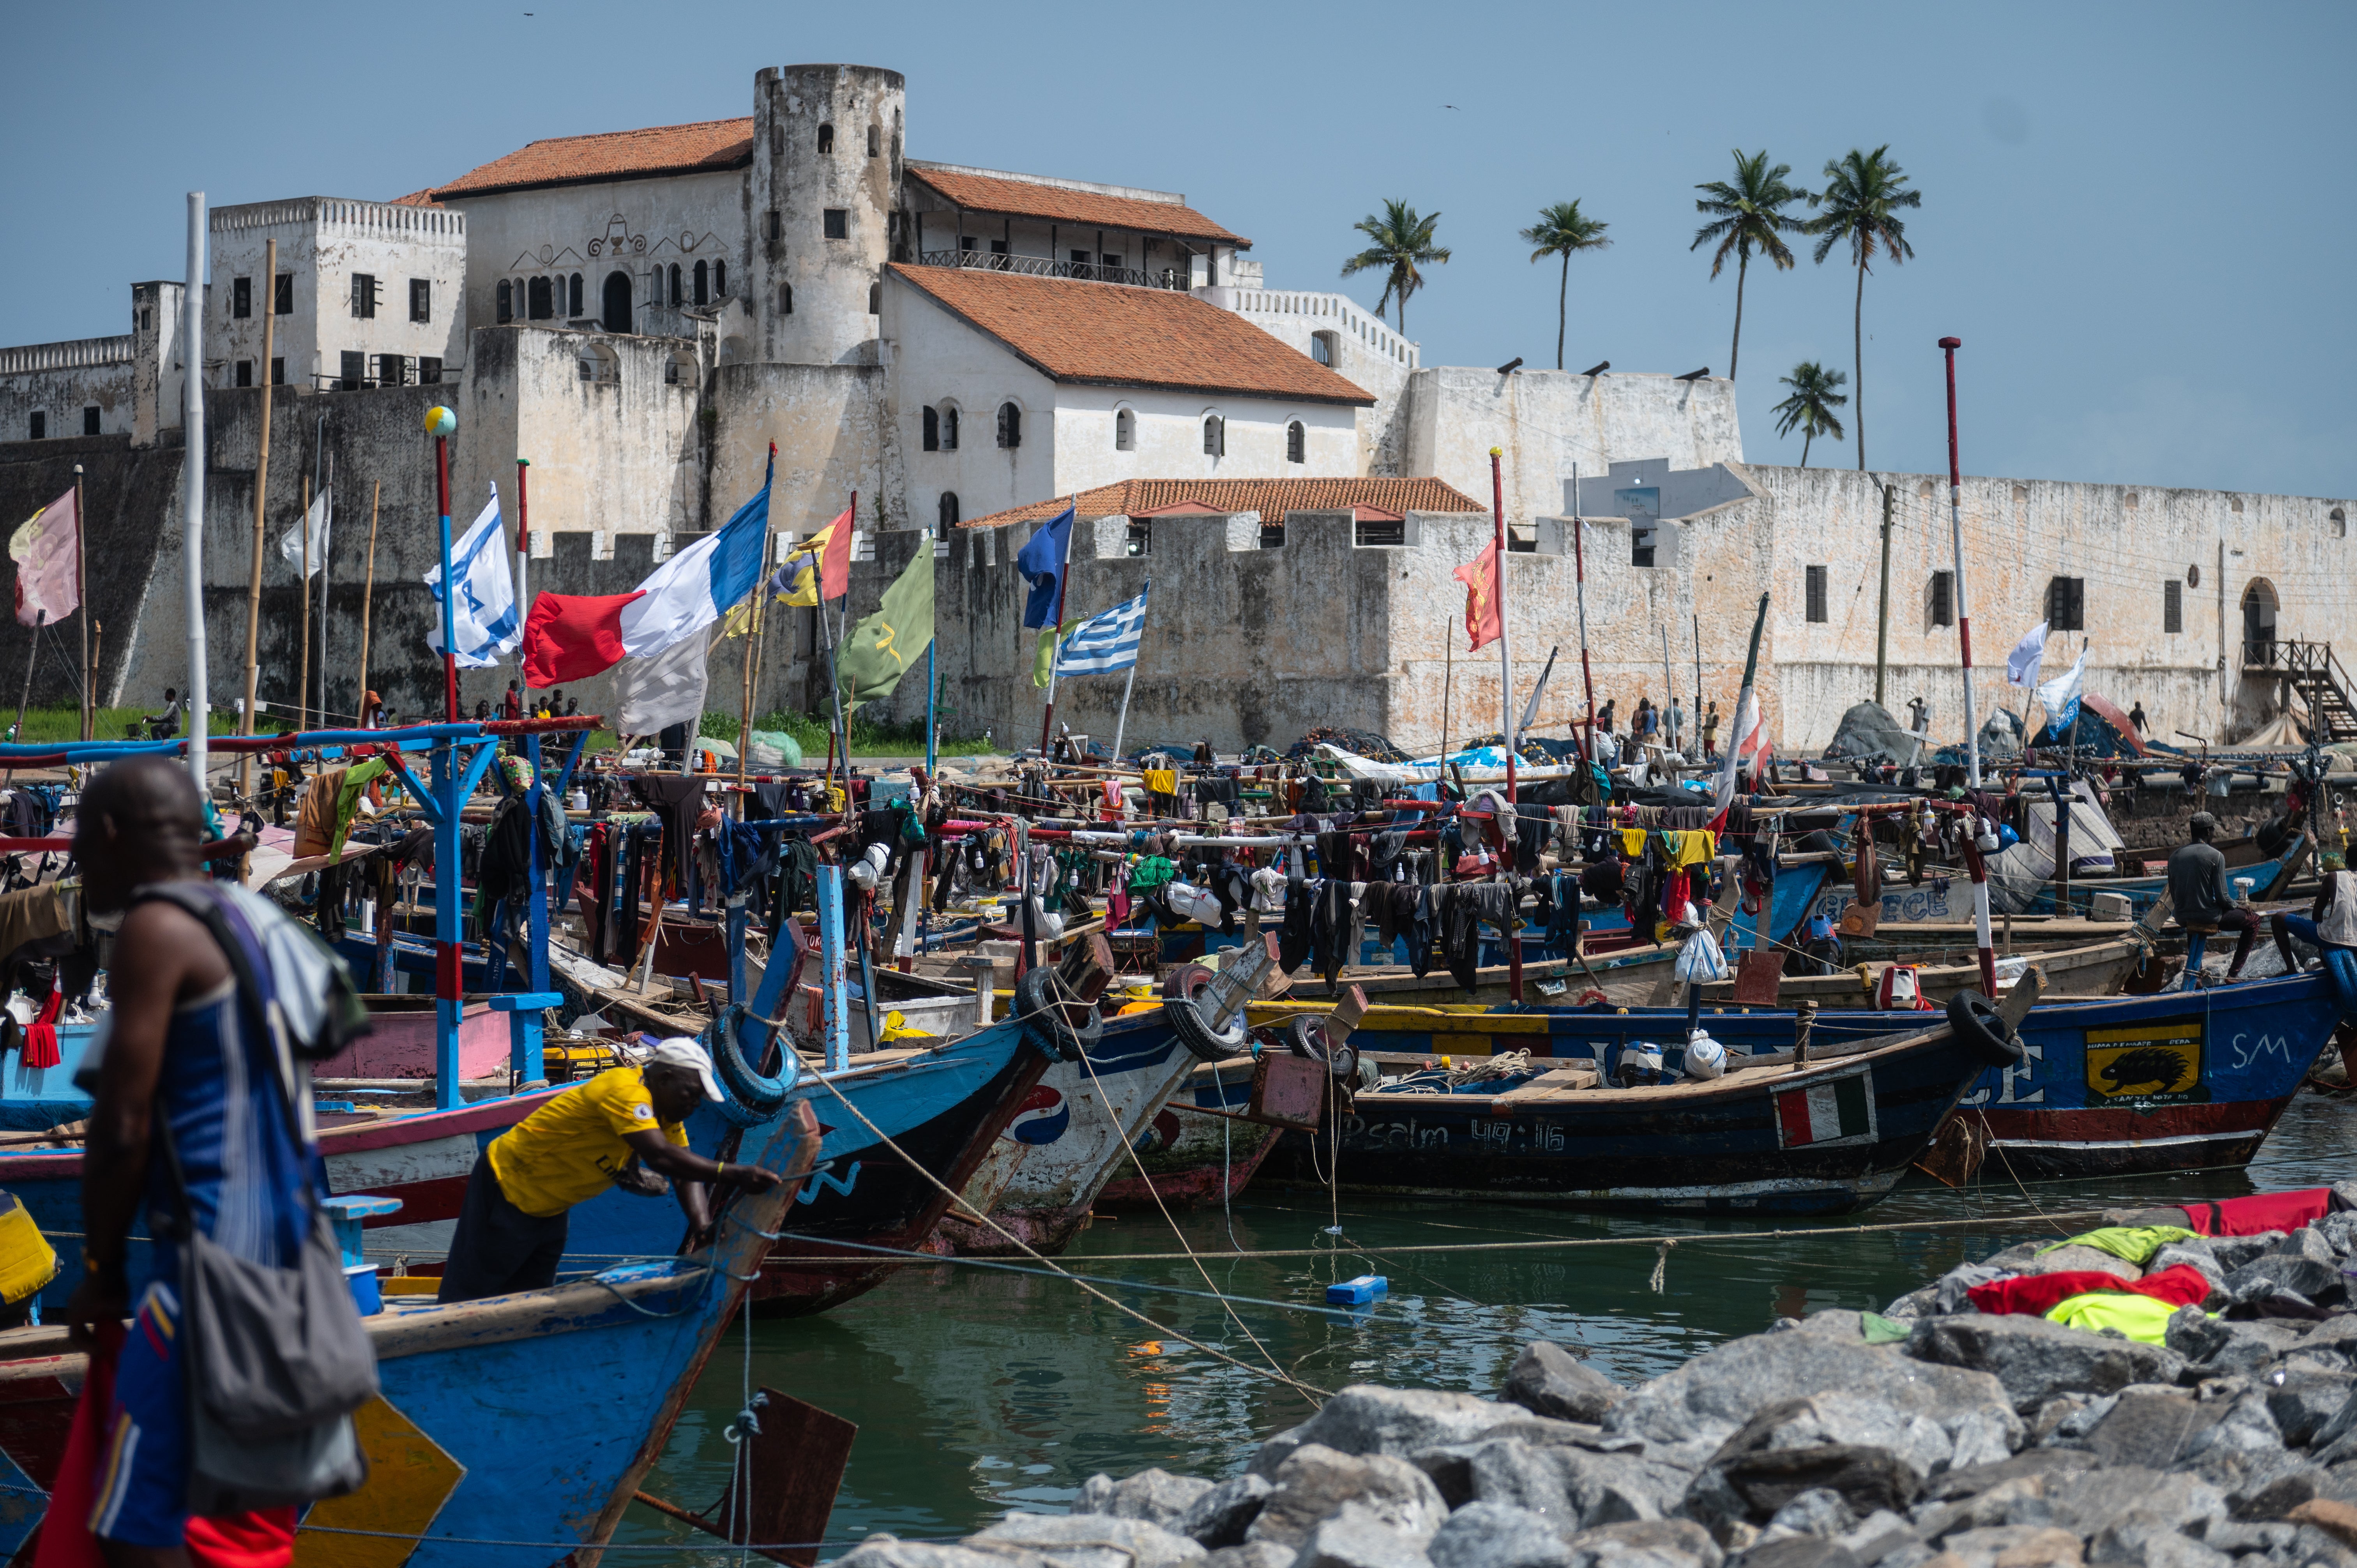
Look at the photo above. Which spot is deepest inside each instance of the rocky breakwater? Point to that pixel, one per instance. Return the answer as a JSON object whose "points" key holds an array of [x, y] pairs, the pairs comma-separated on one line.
{"points": [[1933, 1433]]}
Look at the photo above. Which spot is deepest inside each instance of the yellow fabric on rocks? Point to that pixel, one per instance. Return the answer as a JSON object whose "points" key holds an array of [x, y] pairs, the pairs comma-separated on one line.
{"points": [[2140, 1318]]}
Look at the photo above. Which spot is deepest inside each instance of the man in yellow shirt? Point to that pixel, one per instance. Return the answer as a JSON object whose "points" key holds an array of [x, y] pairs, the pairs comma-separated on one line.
{"points": [[512, 1228]]}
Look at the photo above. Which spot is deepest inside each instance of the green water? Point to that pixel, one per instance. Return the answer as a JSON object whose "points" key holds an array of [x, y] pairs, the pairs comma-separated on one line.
{"points": [[976, 1389]]}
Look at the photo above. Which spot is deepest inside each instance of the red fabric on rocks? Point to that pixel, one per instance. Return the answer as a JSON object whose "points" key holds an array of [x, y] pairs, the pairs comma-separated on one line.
{"points": [[2040, 1294], [2260, 1212]]}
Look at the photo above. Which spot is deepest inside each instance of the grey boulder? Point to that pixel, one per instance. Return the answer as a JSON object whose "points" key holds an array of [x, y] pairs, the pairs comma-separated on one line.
{"points": [[889, 1552], [1093, 1540], [1361, 1537], [1367, 1419], [1645, 1543], [2035, 1360], [1548, 1380], [1155, 1495], [1498, 1535], [1317, 1482], [1221, 1515]]}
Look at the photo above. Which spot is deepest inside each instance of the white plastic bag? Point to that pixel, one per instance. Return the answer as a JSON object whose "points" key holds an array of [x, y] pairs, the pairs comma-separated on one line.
{"points": [[1706, 1058], [1699, 960]]}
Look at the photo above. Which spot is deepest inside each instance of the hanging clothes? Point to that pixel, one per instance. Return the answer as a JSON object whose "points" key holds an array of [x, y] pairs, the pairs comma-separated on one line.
{"points": [[1293, 939], [1332, 927], [677, 802]]}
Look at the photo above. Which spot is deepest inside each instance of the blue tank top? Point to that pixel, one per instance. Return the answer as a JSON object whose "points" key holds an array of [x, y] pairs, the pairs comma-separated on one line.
{"points": [[247, 1166]]}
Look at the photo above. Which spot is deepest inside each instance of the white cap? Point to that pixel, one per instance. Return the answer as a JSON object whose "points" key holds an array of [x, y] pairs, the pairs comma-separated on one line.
{"points": [[681, 1050]]}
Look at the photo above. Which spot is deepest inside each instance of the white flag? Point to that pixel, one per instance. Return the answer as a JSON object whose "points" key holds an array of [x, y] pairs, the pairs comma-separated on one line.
{"points": [[482, 597], [2060, 696], [2021, 664], [315, 523], [664, 689]]}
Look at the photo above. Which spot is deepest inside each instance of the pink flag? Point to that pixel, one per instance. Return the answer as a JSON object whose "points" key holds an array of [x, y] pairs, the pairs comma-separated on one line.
{"points": [[48, 556]]}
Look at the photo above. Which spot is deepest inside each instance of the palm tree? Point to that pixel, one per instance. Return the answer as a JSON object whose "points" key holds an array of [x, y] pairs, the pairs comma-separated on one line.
{"points": [[1402, 243], [1561, 229], [1815, 395], [1862, 197], [1748, 215]]}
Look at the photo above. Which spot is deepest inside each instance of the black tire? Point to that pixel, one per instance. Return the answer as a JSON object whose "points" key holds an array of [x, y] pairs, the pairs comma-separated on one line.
{"points": [[1194, 1032], [1976, 1022], [1306, 1034], [753, 1097], [1045, 1023]]}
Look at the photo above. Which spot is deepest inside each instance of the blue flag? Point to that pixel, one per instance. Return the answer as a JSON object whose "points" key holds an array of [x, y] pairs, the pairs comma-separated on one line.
{"points": [[1042, 562]]}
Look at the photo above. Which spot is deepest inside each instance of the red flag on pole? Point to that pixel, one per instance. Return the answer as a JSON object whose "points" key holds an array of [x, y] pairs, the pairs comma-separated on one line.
{"points": [[571, 637], [1480, 579]]}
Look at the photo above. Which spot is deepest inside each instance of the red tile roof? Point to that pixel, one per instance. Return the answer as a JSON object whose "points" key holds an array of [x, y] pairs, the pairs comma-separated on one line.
{"points": [[612, 154], [1057, 204], [1273, 499], [416, 199], [1112, 334]]}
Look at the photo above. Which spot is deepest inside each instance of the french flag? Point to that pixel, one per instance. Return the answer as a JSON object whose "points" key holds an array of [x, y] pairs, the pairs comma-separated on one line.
{"points": [[571, 637]]}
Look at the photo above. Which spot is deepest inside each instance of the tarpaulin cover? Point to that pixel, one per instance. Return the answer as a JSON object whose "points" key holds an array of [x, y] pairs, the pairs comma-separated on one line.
{"points": [[2260, 1212], [2039, 1294], [2103, 731], [1868, 733]]}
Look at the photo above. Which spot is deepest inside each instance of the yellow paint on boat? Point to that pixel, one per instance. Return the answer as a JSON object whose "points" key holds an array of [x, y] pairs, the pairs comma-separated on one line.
{"points": [[410, 1477]]}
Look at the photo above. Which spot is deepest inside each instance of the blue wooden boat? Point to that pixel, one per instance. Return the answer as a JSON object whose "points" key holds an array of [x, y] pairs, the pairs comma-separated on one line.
{"points": [[2222, 1064], [511, 1430], [1827, 1137]]}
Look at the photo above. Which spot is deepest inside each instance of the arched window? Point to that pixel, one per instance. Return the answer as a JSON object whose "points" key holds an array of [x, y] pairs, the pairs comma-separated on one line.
{"points": [[678, 369], [703, 284], [1215, 436], [2339, 522], [572, 294], [538, 303], [1296, 442], [1010, 425], [507, 307], [720, 279], [617, 314], [876, 299], [826, 139], [875, 141], [675, 283], [1125, 431], [932, 430], [948, 427], [949, 509]]}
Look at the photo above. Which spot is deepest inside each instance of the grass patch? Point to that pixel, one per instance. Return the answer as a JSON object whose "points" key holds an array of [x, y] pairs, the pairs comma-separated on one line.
{"points": [[44, 726]]}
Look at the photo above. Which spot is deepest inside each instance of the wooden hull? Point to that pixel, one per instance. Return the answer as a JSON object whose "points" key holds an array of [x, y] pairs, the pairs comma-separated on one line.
{"points": [[2095, 969], [1077, 1127], [527, 1418], [1747, 1143], [2247, 1048], [1191, 1160]]}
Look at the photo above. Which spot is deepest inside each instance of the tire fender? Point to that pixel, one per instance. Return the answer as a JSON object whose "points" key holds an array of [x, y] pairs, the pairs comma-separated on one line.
{"points": [[1194, 1031], [752, 1098], [1044, 1022], [1975, 1021]]}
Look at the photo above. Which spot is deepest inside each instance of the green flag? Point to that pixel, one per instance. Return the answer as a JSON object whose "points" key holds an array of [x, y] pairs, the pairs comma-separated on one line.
{"points": [[1046, 657], [883, 646]]}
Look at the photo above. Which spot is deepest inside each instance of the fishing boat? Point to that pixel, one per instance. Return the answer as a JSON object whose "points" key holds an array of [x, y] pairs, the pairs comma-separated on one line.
{"points": [[1196, 1150], [585, 1378], [1773, 1135], [2116, 1086]]}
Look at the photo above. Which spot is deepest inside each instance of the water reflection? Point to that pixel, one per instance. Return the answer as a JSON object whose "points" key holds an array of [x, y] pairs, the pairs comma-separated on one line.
{"points": [[977, 1390]]}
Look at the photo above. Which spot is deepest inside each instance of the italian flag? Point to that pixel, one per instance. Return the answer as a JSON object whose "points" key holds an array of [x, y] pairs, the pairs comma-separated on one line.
{"points": [[1824, 1112]]}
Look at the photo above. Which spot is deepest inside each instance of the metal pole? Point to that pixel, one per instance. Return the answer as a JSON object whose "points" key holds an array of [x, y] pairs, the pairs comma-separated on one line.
{"points": [[1693, 719], [327, 573], [449, 955], [449, 616], [841, 740], [192, 493], [1506, 712], [1056, 632], [1448, 677], [368, 593], [81, 597], [1963, 615], [752, 632], [1883, 617], [1580, 579], [523, 550], [1669, 684], [834, 1022], [261, 495], [303, 665], [32, 657]]}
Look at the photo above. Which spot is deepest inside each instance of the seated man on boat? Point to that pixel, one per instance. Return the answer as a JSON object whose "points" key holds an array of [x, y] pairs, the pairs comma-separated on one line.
{"points": [[513, 1224], [2201, 899]]}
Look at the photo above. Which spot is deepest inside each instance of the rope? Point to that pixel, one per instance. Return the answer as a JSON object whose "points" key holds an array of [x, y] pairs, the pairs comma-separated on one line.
{"points": [[1027, 1250], [1660, 1265], [1566, 1243]]}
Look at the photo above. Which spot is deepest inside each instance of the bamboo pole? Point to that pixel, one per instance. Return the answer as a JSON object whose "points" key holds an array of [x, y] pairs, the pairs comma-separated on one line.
{"points": [[367, 596], [261, 493], [752, 642], [81, 597]]}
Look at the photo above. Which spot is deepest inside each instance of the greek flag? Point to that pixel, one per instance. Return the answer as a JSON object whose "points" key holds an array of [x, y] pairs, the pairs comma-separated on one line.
{"points": [[1103, 644]]}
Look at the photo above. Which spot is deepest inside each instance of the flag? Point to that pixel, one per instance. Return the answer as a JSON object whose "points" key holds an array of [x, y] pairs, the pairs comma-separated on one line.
{"points": [[883, 646], [571, 637], [1747, 740], [1105, 643], [1042, 562], [679, 598], [482, 597], [1043, 661], [2060, 695], [47, 553], [2021, 664], [315, 523], [1531, 711], [819, 565], [654, 693], [1480, 579]]}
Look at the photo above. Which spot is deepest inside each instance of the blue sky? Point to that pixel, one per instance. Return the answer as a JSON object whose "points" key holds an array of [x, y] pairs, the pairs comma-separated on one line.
{"points": [[2138, 217]]}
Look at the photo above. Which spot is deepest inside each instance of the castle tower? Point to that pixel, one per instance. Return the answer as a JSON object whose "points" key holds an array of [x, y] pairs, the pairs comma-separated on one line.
{"points": [[821, 203]]}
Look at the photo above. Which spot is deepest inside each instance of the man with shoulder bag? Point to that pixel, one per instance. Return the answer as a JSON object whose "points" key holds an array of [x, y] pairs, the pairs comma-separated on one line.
{"points": [[246, 1357]]}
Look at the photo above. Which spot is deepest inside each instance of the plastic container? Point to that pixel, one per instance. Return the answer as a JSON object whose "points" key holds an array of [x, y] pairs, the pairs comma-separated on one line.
{"points": [[367, 1295], [1358, 1291]]}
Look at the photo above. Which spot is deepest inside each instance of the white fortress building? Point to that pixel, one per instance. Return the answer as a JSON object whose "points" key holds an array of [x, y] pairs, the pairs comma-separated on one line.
{"points": [[640, 314]]}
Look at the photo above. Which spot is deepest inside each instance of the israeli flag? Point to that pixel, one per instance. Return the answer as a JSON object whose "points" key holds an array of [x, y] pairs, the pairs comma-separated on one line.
{"points": [[482, 595], [1105, 643]]}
